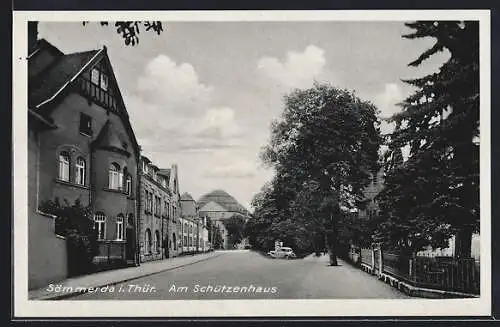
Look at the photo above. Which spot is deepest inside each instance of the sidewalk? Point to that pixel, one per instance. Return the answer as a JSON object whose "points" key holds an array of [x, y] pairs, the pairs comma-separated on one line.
{"points": [[73, 286]]}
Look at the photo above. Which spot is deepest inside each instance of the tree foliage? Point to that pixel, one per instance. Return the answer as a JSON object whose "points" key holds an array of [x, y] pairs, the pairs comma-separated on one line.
{"points": [[130, 30], [324, 148], [214, 234], [235, 226], [435, 193], [74, 222]]}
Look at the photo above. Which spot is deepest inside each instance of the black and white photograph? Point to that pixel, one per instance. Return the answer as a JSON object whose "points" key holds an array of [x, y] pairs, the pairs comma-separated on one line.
{"points": [[300, 163]]}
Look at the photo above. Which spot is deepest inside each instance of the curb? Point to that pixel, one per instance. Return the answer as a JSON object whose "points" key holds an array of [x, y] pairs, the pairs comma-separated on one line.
{"points": [[75, 293], [413, 290]]}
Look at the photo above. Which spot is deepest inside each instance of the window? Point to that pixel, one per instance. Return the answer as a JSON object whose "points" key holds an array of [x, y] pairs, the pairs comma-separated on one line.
{"points": [[128, 186], [148, 241], [104, 82], [157, 242], [85, 124], [149, 201], [158, 205], [94, 77], [99, 78], [115, 177], [119, 227], [185, 241], [64, 163], [100, 225], [80, 171]]}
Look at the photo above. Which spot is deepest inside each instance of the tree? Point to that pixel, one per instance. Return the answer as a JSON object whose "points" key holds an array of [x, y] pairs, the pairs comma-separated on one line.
{"points": [[214, 234], [324, 149], [75, 223], [235, 227], [435, 193], [130, 30]]}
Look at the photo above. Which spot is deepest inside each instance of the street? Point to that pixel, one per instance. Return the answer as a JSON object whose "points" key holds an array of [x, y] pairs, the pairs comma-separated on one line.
{"points": [[249, 275]]}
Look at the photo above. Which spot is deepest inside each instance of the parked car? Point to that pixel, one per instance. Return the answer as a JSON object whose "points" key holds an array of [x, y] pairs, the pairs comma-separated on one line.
{"points": [[284, 252]]}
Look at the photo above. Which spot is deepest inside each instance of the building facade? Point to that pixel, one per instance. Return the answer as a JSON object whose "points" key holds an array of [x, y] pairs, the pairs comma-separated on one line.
{"points": [[155, 212], [172, 239], [219, 206], [86, 149], [194, 227]]}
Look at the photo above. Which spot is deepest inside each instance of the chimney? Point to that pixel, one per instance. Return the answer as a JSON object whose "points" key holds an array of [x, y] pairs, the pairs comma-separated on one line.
{"points": [[32, 35]]}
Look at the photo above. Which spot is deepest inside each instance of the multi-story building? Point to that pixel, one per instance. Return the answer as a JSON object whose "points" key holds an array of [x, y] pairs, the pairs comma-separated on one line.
{"points": [[219, 206], [192, 225], [155, 212], [173, 226], [86, 149]]}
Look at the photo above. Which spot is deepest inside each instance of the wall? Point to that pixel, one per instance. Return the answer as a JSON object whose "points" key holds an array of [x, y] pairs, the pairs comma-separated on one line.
{"points": [[47, 254]]}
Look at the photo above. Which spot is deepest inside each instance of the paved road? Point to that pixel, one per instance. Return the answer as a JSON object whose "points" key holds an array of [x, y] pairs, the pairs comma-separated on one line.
{"points": [[249, 275]]}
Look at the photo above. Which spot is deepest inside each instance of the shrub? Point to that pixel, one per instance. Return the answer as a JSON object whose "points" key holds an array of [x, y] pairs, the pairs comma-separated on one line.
{"points": [[75, 223]]}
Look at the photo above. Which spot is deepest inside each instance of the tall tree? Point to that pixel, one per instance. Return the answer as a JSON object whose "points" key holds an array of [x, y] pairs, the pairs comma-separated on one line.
{"points": [[435, 193], [326, 142], [235, 226]]}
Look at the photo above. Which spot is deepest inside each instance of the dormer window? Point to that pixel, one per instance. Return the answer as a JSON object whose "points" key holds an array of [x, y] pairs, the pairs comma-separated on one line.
{"points": [[97, 77], [94, 76], [104, 82]]}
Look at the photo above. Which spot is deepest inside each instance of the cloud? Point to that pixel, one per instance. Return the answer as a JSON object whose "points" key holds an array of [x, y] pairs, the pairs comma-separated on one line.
{"points": [[299, 68], [172, 111], [386, 101], [218, 123], [239, 169], [174, 85]]}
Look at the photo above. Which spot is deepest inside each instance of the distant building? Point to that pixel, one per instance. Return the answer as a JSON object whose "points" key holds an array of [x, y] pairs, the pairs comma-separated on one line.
{"points": [[219, 206], [189, 223], [370, 192]]}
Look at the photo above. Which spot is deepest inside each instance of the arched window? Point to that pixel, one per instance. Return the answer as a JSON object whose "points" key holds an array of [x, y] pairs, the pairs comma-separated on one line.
{"points": [[100, 225], [148, 241], [119, 227], [157, 242], [80, 171], [115, 177], [64, 164]]}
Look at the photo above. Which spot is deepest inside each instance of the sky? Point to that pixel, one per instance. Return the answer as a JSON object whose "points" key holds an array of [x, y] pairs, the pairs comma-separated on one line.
{"points": [[202, 95]]}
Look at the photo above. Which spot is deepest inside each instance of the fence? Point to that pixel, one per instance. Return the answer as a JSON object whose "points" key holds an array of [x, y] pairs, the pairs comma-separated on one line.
{"points": [[443, 273], [111, 255]]}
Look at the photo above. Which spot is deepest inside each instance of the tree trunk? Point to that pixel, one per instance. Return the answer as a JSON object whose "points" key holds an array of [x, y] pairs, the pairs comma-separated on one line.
{"points": [[330, 240], [463, 243]]}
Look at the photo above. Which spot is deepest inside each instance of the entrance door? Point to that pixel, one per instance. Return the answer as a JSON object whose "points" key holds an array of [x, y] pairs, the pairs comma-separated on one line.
{"points": [[130, 244]]}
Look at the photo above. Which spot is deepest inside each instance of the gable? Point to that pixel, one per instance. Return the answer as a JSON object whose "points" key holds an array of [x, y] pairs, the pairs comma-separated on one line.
{"points": [[50, 77], [213, 207]]}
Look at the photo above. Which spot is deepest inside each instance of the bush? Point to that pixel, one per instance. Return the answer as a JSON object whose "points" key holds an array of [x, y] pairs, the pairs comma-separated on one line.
{"points": [[74, 222]]}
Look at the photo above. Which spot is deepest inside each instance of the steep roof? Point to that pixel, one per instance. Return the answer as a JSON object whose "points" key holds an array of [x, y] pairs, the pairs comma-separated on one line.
{"points": [[51, 79], [186, 197], [109, 136], [224, 199], [165, 173], [59, 76]]}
